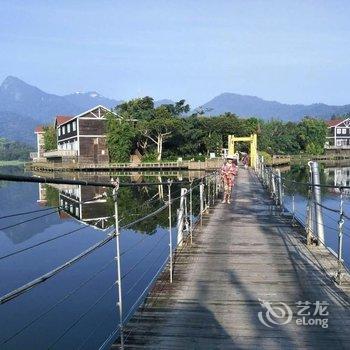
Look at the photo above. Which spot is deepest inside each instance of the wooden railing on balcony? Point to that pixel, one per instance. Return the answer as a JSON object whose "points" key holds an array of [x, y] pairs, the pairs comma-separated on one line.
{"points": [[60, 153]]}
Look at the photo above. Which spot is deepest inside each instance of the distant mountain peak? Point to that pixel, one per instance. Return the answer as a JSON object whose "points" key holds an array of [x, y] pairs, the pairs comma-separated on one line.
{"points": [[12, 82]]}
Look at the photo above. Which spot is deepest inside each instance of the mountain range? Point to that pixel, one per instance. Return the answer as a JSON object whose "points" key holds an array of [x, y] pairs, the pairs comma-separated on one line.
{"points": [[23, 106], [252, 106]]}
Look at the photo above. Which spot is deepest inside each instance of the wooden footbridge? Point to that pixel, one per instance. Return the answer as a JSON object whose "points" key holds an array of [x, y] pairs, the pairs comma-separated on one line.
{"points": [[248, 281]]}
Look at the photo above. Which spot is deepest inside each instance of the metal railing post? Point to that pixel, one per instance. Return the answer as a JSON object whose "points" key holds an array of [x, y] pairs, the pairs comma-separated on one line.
{"points": [[201, 201], [293, 207], [217, 184], [280, 189], [170, 235], [340, 240], [181, 217], [213, 189], [191, 214], [274, 191], [315, 181], [208, 193], [309, 221], [119, 281]]}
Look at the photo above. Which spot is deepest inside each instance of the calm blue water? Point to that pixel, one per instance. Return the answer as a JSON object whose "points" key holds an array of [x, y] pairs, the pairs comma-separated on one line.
{"points": [[338, 176], [76, 308]]}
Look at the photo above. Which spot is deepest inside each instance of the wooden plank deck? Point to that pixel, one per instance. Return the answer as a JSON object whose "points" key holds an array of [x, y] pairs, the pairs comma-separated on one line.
{"points": [[245, 251]]}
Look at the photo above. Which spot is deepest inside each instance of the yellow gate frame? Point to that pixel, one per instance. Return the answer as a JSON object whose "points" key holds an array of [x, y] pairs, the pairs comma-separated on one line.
{"points": [[253, 139]]}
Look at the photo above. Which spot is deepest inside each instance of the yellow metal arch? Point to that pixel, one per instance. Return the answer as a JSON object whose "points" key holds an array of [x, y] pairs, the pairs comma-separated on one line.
{"points": [[253, 139]]}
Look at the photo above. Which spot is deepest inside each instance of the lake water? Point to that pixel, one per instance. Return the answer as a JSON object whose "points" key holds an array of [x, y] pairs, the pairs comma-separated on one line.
{"points": [[77, 309]]}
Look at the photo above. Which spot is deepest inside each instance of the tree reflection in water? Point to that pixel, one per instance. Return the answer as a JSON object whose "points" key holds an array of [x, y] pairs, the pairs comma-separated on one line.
{"points": [[94, 205]]}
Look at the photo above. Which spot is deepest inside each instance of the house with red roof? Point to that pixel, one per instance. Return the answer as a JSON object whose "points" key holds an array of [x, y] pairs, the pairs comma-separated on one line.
{"points": [[338, 134], [80, 138]]}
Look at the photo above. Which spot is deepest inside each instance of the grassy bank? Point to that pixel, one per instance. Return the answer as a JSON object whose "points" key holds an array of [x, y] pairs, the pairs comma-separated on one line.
{"points": [[11, 162]]}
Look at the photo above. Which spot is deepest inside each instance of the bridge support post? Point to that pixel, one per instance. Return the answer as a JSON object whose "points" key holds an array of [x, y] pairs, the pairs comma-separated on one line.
{"points": [[315, 180], [170, 235], [119, 281], [340, 240]]}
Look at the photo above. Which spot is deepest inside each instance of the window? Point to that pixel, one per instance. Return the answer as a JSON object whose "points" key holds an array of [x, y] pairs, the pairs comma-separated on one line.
{"points": [[63, 129], [59, 131], [343, 131], [76, 211], [103, 152], [74, 125], [338, 131], [68, 128]]}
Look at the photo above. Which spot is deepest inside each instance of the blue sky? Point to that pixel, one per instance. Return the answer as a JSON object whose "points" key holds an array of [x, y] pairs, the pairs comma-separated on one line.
{"points": [[289, 51]]}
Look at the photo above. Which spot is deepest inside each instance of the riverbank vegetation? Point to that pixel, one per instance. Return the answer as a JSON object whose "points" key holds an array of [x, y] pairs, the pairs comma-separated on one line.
{"points": [[168, 132], [13, 150]]}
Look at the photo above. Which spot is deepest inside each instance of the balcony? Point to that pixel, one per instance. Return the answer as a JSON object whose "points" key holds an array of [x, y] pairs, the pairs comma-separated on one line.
{"points": [[337, 147], [59, 153]]}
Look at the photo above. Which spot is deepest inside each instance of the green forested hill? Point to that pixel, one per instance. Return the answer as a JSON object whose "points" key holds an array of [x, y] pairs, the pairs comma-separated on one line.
{"points": [[13, 150]]}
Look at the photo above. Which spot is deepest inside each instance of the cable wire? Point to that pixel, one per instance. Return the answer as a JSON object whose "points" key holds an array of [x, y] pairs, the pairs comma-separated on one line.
{"points": [[60, 301], [27, 212], [28, 220], [24, 288], [144, 257], [82, 315], [41, 243]]}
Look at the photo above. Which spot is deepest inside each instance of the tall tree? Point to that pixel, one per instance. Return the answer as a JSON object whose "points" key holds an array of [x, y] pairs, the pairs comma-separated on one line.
{"points": [[159, 128], [50, 138], [120, 138], [312, 135]]}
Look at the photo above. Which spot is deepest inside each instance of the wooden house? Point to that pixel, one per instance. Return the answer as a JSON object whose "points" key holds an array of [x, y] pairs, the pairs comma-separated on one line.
{"points": [[81, 138], [338, 134], [88, 204]]}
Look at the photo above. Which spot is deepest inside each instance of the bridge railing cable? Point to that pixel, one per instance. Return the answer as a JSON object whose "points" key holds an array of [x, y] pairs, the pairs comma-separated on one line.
{"points": [[315, 210]]}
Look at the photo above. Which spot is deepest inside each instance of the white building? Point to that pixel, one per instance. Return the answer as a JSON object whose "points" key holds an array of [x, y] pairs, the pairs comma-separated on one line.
{"points": [[338, 134]]}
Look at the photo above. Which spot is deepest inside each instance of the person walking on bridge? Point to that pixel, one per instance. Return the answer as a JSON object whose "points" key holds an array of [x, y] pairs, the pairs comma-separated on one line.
{"points": [[245, 160], [228, 173]]}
